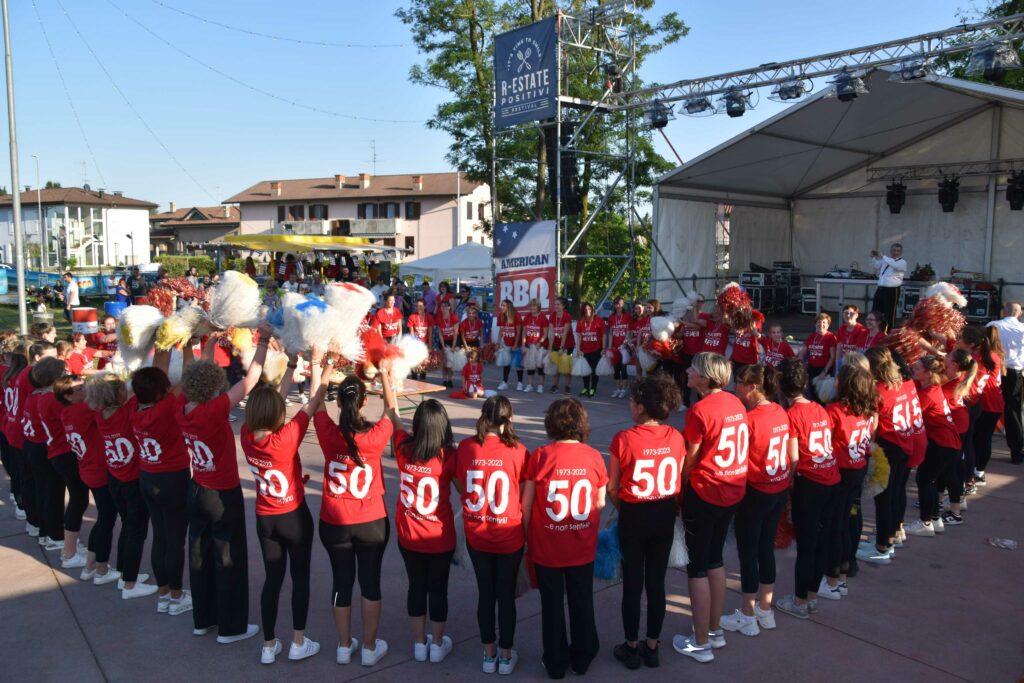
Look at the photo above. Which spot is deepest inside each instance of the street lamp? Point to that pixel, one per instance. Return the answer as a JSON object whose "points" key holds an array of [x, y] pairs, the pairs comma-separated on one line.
{"points": [[131, 238]]}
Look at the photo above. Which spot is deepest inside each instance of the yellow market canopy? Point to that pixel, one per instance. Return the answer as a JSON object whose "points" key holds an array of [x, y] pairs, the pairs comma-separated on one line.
{"points": [[304, 243]]}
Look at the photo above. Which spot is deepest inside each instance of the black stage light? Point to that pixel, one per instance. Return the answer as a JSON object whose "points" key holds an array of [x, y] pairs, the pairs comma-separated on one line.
{"points": [[1015, 190], [735, 103], [849, 86], [896, 196], [949, 194], [992, 61]]}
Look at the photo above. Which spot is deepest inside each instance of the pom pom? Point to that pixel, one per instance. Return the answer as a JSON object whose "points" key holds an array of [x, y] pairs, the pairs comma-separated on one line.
{"points": [[136, 331], [580, 367], [274, 366], [242, 339], [551, 363], [949, 294], [488, 352], [458, 360], [645, 360], [504, 357], [608, 560], [372, 344], [565, 364], [736, 306], [181, 327], [235, 302], [677, 556], [163, 295], [625, 355], [306, 322], [436, 360], [662, 327], [877, 478], [825, 388], [407, 352], [665, 350], [349, 303], [604, 367]]}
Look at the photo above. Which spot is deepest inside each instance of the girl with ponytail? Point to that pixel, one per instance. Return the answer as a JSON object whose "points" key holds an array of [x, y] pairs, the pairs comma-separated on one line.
{"points": [[960, 372]]}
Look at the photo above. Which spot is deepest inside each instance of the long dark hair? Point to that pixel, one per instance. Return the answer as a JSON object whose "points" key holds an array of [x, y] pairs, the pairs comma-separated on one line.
{"points": [[764, 377], [856, 390], [975, 336], [495, 414], [351, 395], [431, 431], [19, 361]]}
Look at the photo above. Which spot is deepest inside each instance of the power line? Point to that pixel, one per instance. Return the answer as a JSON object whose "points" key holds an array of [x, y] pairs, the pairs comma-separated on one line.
{"points": [[67, 93], [270, 36], [250, 86], [128, 102]]}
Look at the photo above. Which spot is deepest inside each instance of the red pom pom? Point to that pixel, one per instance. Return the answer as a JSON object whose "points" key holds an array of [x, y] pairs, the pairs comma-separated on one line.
{"points": [[785, 533], [373, 344], [904, 341]]}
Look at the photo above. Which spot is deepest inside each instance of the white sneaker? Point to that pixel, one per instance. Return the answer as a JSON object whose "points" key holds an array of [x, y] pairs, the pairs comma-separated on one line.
{"points": [[528, 389], [938, 526], [439, 652], [844, 589], [503, 386], [53, 544], [919, 528], [540, 388], [269, 654], [901, 536], [163, 603], [18, 513], [344, 654], [828, 592], [202, 631], [873, 555], [371, 657], [181, 605], [307, 649], [738, 621], [765, 618], [140, 590], [716, 639], [141, 578], [76, 560], [250, 631], [421, 651], [111, 576], [31, 530], [507, 666], [87, 574], [519, 386], [490, 664], [687, 645]]}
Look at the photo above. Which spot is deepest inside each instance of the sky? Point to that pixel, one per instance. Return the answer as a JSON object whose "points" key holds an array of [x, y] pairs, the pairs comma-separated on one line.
{"points": [[162, 127]]}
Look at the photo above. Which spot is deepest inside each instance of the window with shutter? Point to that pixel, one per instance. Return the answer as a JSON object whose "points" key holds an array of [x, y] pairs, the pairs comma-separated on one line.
{"points": [[480, 211], [297, 212], [469, 211], [412, 211], [280, 214], [317, 212]]}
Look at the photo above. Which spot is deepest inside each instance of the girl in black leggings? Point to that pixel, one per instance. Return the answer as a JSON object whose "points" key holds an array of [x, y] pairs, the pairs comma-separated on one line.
{"points": [[987, 348]]}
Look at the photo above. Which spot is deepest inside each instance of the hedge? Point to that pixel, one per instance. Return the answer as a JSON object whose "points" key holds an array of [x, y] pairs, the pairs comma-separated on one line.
{"points": [[177, 266]]}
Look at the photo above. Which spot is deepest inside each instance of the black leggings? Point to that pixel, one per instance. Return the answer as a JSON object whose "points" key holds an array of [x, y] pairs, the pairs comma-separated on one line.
{"points": [[10, 463], [847, 523], [27, 482], [984, 428], [218, 563], [428, 582], [496, 585], [48, 491], [645, 537], [352, 545], [166, 496], [101, 537], [593, 358], [66, 466], [813, 507], [706, 526], [757, 519], [937, 459], [967, 465], [887, 503], [575, 586], [134, 520], [951, 478], [283, 537], [505, 371]]}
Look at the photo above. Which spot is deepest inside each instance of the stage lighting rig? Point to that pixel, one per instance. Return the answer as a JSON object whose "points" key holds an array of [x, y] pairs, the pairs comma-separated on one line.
{"points": [[949, 193], [896, 196]]}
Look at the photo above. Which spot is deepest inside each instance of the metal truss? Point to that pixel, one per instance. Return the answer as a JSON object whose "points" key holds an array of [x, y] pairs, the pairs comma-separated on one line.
{"points": [[960, 169]]}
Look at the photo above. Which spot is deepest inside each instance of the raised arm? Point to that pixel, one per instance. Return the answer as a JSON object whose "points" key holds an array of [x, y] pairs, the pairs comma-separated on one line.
{"points": [[288, 379], [317, 387], [388, 390], [242, 387]]}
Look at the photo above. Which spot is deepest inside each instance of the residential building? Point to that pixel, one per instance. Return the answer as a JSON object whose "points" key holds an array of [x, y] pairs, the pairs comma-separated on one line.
{"points": [[95, 227], [423, 214], [182, 231]]}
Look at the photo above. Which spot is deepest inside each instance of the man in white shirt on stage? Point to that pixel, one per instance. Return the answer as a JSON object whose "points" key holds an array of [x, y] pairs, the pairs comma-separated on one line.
{"points": [[891, 270], [1011, 334]]}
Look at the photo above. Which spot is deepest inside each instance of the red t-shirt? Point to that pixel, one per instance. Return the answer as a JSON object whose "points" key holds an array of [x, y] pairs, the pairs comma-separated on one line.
{"points": [[693, 337], [471, 329], [819, 348], [389, 321], [744, 348], [851, 437], [276, 467], [420, 326], [992, 395], [447, 326], [716, 338], [31, 427], [896, 415], [352, 494], [591, 334], [84, 439], [473, 374], [961, 418], [78, 361], [50, 410], [918, 437], [718, 422], [558, 323], [869, 340], [650, 458], [641, 327], [161, 443], [96, 342], [812, 427], [776, 352], [15, 394], [120, 449], [768, 463], [565, 518], [508, 332], [850, 339], [210, 442], [535, 329], [423, 516], [619, 325], [938, 418], [490, 477]]}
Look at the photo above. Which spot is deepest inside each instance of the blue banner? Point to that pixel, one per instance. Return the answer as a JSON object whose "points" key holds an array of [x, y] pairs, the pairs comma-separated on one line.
{"points": [[526, 74]]}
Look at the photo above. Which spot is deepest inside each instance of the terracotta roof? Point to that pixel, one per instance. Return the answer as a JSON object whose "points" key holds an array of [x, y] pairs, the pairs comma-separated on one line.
{"points": [[434, 184], [211, 215], [76, 195]]}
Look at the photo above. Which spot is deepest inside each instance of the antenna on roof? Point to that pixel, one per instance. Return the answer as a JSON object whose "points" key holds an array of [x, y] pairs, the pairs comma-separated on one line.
{"points": [[373, 156], [85, 178]]}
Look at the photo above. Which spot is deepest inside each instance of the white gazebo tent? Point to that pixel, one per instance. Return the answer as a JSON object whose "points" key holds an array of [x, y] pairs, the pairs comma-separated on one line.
{"points": [[799, 189], [469, 261]]}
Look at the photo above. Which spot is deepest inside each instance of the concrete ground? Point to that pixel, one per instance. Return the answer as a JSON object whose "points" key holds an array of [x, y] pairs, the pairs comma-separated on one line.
{"points": [[947, 609]]}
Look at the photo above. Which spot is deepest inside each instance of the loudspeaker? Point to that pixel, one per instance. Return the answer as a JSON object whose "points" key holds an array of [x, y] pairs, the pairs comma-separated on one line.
{"points": [[571, 202]]}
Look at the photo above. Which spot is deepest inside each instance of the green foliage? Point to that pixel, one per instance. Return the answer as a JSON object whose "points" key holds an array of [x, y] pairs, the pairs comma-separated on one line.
{"points": [[51, 185], [71, 262], [956, 65], [177, 266]]}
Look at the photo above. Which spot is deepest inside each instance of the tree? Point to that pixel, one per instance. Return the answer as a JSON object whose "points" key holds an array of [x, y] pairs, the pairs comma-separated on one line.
{"points": [[51, 185], [956, 65]]}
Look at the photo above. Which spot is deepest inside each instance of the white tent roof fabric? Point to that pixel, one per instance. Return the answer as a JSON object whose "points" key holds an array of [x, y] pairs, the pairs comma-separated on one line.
{"points": [[799, 188], [467, 261]]}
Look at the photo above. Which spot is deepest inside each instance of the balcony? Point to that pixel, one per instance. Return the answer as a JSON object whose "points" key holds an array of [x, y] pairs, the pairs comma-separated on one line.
{"points": [[375, 227], [303, 228]]}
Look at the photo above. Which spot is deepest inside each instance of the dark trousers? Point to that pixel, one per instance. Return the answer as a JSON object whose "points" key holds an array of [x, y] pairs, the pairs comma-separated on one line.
{"points": [[66, 466], [887, 503], [134, 520], [593, 358], [757, 519], [886, 301], [1013, 395], [967, 465], [645, 538], [7, 457], [355, 549], [428, 583], [101, 537], [218, 566], [984, 428], [49, 491], [166, 496], [685, 361], [847, 522], [813, 508], [937, 459], [575, 586], [27, 482], [285, 537], [507, 370], [496, 591]]}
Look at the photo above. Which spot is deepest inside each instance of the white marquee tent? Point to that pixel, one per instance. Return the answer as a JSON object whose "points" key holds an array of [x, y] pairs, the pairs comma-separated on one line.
{"points": [[798, 184], [469, 261]]}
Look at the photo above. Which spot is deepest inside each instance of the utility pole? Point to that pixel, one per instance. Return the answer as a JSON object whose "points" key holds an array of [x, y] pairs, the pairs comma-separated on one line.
{"points": [[19, 237]]}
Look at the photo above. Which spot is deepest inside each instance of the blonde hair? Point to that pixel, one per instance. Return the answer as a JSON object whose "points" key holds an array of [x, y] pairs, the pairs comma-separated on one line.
{"points": [[264, 409], [202, 381], [105, 391], [883, 367], [713, 367], [823, 316], [857, 359]]}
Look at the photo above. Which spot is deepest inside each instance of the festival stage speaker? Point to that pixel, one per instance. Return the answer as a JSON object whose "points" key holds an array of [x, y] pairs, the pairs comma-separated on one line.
{"points": [[571, 203]]}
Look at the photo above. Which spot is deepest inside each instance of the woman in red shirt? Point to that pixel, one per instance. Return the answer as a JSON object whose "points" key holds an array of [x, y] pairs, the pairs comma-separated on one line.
{"points": [[562, 339], [644, 483], [640, 333], [217, 561], [744, 348], [874, 330], [80, 361], [535, 336], [448, 330], [284, 525], [960, 369], [425, 523], [590, 330], [17, 388], [490, 467], [986, 345], [815, 485], [717, 437], [776, 349], [563, 495], [510, 329], [716, 334], [354, 527], [820, 348], [15, 359], [619, 324], [421, 326], [49, 484], [471, 330], [694, 323], [768, 481], [851, 334], [388, 319]]}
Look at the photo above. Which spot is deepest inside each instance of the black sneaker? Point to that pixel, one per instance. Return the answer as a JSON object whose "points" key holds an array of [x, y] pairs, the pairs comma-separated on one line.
{"points": [[568, 391], [649, 656], [951, 519], [979, 479], [630, 656]]}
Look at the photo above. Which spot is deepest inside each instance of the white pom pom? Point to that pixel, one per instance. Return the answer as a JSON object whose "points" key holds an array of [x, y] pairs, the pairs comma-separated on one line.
{"points": [[605, 367], [136, 331], [458, 360], [947, 293], [349, 303], [580, 367], [310, 321], [235, 302], [412, 354], [662, 327], [646, 360], [730, 285]]}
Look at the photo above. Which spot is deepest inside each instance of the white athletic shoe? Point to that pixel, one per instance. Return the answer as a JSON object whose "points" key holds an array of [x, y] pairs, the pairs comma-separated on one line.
{"points": [[503, 386], [738, 621], [76, 560], [421, 651], [919, 528], [52, 544], [540, 388], [31, 530], [716, 639], [938, 525], [307, 649], [111, 576], [519, 386], [87, 574], [828, 592], [141, 578], [139, 590], [687, 645], [268, 655], [507, 666], [19, 513], [490, 664], [250, 631], [344, 654], [163, 603], [439, 652], [528, 389], [370, 657], [765, 618], [180, 605]]}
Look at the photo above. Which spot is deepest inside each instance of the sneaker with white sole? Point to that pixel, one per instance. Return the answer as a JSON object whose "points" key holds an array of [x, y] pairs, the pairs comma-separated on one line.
{"points": [[717, 639], [528, 389], [812, 606], [919, 528], [19, 513], [844, 589], [938, 525], [202, 630], [76, 560], [788, 604], [738, 621], [765, 618], [540, 388], [141, 578], [163, 603], [503, 386], [304, 651], [519, 386], [507, 666], [52, 544], [180, 605], [827, 591], [139, 590], [439, 652], [950, 518], [421, 651], [874, 555], [370, 657], [979, 479], [268, 655], [87, 574], [344, 654], [32, 530], [490, 664], [250, 631], [687, 645], [111, 576]]}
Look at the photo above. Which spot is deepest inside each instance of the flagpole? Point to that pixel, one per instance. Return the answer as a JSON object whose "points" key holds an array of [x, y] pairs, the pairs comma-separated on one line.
{"points": [[19, 237]]}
